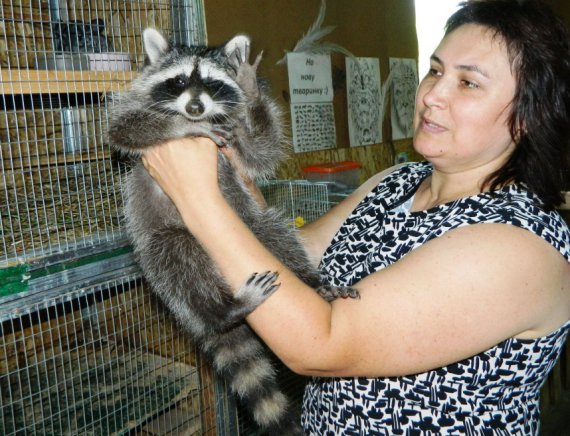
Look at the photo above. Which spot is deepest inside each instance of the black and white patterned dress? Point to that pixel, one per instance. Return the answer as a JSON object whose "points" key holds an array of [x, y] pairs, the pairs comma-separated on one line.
{"points": [[493, 393]]}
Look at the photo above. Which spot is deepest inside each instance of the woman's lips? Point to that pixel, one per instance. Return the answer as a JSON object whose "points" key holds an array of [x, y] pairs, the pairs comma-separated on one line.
{"points": [[430, 126]]}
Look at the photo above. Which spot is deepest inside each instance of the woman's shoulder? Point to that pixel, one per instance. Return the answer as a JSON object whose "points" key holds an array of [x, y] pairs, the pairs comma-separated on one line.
{"points": [[393, 183], [519, 207], [524, 209], [405, 172]]}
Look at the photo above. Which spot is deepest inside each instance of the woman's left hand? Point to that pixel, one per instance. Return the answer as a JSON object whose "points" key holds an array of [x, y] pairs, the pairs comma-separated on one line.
{"points": [[186, 169]]}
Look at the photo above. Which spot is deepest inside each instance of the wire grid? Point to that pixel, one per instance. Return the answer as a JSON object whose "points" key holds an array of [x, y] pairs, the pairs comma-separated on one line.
{"points": [[60, 62], [300, 200], [101, 361]]}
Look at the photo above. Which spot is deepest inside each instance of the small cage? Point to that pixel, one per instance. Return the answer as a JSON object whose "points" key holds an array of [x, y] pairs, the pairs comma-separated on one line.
{"points": [[60, 64], [100, 360], [300, 200], [85, 349]]}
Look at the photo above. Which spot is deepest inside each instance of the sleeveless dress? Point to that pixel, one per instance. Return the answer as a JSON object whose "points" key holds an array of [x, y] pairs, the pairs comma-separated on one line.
{"points": [[495, 392]]}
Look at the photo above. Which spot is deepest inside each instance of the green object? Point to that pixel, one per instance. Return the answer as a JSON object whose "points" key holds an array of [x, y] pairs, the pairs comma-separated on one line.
{"points": [[16, 279]]}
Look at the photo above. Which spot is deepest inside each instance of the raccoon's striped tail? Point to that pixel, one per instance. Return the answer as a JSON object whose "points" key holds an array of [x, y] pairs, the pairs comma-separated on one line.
{"points": [[239, 356]]}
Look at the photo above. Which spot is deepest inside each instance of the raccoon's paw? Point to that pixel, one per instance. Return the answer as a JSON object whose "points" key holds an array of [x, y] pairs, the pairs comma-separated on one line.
{"points": [[223, 134], [330, 293], [251, 294], [257, 289], [246, 78]]}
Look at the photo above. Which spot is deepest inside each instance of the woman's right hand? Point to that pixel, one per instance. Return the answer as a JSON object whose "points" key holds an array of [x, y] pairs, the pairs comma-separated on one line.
{"points": [[186, 169]]}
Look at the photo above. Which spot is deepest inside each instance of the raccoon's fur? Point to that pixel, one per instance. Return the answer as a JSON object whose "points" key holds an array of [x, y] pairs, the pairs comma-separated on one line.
{"points": [[197, 91]]}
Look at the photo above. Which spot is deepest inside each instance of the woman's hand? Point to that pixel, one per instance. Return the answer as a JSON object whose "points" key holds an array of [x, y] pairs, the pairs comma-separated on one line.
{"points": [[186, 169]]}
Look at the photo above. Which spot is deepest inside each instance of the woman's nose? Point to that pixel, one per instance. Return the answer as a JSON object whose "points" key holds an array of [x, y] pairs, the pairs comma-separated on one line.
{"points": [[434, 92]]}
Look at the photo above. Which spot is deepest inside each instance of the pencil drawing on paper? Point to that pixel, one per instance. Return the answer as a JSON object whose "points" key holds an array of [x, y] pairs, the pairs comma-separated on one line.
{"points": [[364, 101], [405, 82]]}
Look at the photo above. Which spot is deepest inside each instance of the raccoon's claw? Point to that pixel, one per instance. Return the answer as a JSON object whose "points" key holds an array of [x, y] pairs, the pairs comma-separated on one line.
{"points": [[257, 288], [219, 140], [224, 135], [251, 294], [330, 293], [264, 282], [239, 57]]}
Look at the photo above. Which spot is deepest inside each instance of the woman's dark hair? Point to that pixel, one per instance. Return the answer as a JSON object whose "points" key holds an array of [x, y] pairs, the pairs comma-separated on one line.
{"points": [[538, 46]]}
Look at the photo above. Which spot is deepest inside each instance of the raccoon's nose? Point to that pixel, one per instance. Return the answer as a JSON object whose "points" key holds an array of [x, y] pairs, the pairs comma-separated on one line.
{"points": [[195, 108]]}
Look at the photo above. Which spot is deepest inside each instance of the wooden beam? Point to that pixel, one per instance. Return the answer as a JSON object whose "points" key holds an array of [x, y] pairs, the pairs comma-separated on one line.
{"points": [[62, 82]]}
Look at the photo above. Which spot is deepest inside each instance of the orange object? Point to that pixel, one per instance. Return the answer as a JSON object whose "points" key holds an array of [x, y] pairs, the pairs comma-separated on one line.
{"points": [[344, 174], [332, 167]]}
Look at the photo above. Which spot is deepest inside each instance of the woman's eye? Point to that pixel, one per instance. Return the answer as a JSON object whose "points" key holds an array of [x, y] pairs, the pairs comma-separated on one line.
{"points": [[469, 84], [434, 72]]}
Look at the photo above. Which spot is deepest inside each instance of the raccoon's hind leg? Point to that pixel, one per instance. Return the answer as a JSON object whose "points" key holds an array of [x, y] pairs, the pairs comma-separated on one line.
{"points": [[244, 362], [182, 273]]}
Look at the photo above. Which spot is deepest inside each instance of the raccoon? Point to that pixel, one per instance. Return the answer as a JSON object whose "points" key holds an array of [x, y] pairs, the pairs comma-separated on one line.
{"points": [[211, 91]]}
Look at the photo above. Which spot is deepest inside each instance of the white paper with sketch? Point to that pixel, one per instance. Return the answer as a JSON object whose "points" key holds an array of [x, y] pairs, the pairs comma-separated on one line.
{"points": [[364, 97], [405, 82]]}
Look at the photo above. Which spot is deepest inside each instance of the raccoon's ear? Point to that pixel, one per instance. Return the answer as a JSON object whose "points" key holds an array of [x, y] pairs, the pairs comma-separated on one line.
{"points": [[155, 45], [237, 50]]}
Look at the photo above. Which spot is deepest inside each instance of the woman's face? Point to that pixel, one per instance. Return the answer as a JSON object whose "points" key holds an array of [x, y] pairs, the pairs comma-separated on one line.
{"points": [[463, 103]]}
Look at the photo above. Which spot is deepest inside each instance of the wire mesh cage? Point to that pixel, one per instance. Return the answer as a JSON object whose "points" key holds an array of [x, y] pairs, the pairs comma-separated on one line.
{"points": [[84, 347], [60, 62], [301, 201], [60, 191], [101, 360]]}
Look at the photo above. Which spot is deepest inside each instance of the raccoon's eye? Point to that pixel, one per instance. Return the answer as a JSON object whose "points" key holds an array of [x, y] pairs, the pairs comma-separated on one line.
{"points": [[180, 81]]}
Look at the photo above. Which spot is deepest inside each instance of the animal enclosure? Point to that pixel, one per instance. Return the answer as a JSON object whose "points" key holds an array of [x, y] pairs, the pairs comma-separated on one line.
{"points": [[85, 348], [103, 360], [61, 62], [300, 201]]}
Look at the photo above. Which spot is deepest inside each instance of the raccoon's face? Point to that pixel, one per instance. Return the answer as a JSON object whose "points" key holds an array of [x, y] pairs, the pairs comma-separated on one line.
{"points": [[196, 82], [198, 89]]}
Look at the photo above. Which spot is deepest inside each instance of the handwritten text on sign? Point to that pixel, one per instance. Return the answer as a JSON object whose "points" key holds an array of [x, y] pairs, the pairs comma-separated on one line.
{"points": [[310, 78]]}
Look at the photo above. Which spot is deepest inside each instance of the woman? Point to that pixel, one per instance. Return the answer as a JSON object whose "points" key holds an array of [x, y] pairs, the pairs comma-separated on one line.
{"points": [[462, 265]]}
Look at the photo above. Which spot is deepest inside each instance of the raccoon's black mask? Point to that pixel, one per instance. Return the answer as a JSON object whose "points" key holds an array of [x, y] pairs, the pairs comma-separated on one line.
{"points": [[197, 82]]}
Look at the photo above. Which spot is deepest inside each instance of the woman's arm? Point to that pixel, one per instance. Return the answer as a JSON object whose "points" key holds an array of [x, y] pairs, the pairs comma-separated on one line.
{"points": [[449, 299]]}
